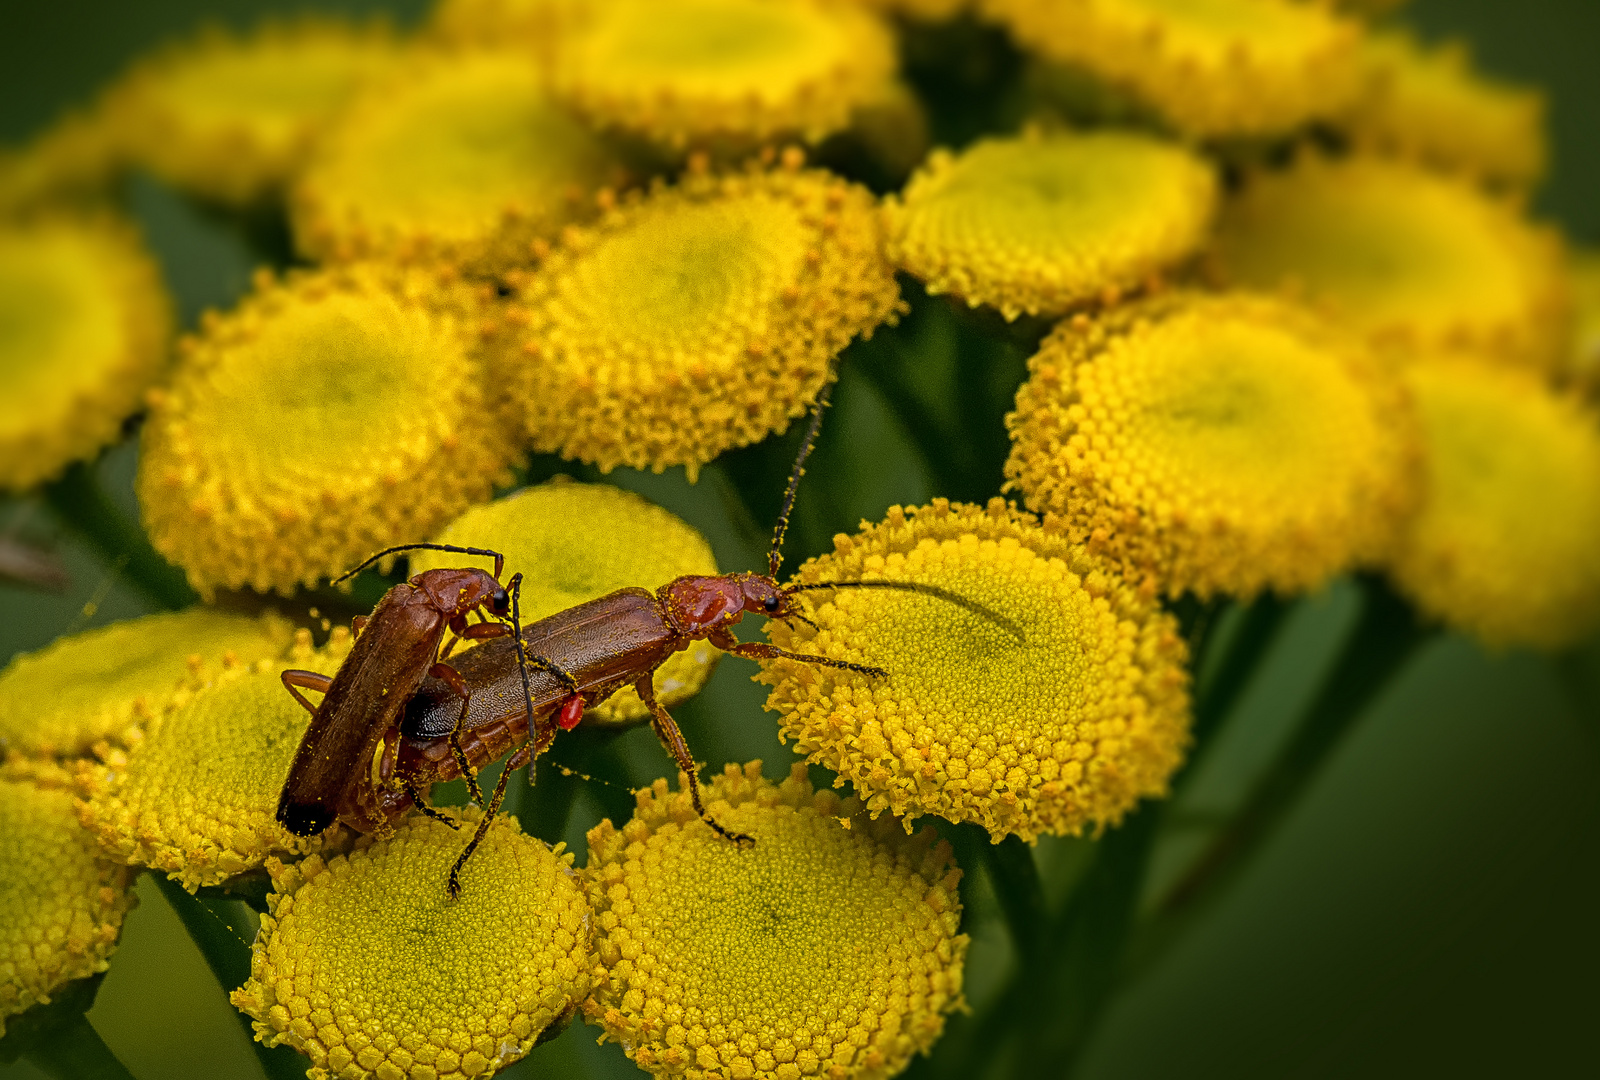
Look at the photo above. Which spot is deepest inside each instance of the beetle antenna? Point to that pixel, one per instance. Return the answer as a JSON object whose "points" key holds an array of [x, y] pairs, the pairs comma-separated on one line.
{"points": [[522, 655], [775, 559], [499, 559], [1009, 625]]}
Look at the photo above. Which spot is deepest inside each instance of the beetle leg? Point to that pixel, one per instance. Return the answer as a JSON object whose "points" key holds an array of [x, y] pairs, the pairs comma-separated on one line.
{"points": [[666, 729], [294, 679], [489, 813], [452, 678], [755, 650], [428, 811]]}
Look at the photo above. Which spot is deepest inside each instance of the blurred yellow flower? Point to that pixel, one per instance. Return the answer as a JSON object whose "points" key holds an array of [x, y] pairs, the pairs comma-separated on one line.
{"points": [[745, 71], [1061, 716], [84, 326], [576, 542], [460, 154], [1582, 368], [1410, 258], [61, 903], [329, 415], [536, 27], [819, 950], [698, 318], [1220, 444], [366, 966], [233, 117], [74, 160], [1506, 545], [1039, 223]]}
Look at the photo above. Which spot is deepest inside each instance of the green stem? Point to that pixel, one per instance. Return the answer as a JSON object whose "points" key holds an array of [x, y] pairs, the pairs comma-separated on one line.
{"points": [[228, 957], [76, 1052], [1219, 692], [77, 499], [1019, 890], [882, 367]]}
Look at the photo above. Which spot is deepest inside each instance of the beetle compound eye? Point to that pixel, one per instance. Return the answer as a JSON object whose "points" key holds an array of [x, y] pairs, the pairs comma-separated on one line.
{"points": [[770, 603], [500, 602]]}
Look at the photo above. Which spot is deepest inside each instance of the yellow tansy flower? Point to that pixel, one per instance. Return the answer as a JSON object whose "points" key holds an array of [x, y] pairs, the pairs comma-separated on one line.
{"points": [[1430, 105], [820, 950], [576, 542], [328, 416], [63, 699], [1215, 443], [366, 966], [232, 117], [536, 26], [1507, 543], [455, 153], [197, 793], [1582, 368], [75, 159], [695, 71], [1220, 67], [1058, 710], [61, 903], [84, 321], [1039, 223], [1410, 258], [699, 318]]}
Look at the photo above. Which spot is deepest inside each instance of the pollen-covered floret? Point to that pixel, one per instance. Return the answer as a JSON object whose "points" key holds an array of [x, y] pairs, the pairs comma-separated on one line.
{"points": [[232, 117], [1047, 697], [196, 795], [1224, 67], [61, 901], [1413, 259], [452, 154], [329, 415], [576, 542], [827, 948], [65, 698], [368, 967], [1039, 223], [1220, 444], [84, 322], [1506, 545], [698, 71], [698, 318]]}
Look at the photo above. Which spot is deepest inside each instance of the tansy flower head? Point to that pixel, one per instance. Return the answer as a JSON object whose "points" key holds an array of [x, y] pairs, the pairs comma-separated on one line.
{"points": [[694, 71], [700, 317], [327, 416], [455, 153], [1039, 223], [1431, 106], [61, 903], [1214, 443], [84, 321], [1506, 545], [575, 542], [537, 27], [1408, 257], [93, 686], [1055, 701], [197, 795], [232, 118], [821, 949], [366, 965], [1223, 67]]}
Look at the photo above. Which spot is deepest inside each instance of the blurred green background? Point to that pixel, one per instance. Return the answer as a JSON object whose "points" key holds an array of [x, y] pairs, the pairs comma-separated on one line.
{"points": [[1431, 906]]}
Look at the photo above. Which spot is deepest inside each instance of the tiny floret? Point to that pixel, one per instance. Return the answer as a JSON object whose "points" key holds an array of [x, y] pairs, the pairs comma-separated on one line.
{"points": [[818, 950]]}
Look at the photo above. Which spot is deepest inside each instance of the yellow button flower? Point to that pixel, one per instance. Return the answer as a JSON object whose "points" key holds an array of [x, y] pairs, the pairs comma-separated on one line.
{"points": [[1411, 258], [328, 416], [1506, 545], [1056, 702], [453, 153], [197, 795], [1220, 444], [821, 950], [1430, 105], [366, 966], [694, 71], [232, 117], [537, 26], [575, 542], [84, 321], [1221, 67], [1039, 223], [61, 902], [698, 318], [63, 699]]}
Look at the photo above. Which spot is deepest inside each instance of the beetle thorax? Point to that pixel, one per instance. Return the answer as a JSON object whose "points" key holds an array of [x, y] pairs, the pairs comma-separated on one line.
{"points": [[697, 606]]}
